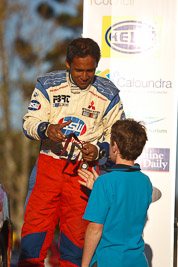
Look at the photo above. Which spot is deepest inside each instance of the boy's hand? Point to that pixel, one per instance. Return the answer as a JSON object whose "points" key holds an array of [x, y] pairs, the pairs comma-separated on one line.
{"points": [[88, 177]]}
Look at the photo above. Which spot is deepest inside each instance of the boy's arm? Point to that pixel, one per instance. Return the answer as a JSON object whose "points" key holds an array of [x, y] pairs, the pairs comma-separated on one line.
{"points": [[92, 237]]}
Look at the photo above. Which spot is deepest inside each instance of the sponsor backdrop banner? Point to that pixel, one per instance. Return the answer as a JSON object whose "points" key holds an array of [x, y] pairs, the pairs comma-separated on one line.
{"points": [[138, 46]]}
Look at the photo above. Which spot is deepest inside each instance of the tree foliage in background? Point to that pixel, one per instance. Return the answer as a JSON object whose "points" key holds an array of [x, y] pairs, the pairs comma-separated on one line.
{"points": [[33, 40]]}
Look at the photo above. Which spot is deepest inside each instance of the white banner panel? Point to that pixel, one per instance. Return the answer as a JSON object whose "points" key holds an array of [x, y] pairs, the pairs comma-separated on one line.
{"points": [[138, 45]]}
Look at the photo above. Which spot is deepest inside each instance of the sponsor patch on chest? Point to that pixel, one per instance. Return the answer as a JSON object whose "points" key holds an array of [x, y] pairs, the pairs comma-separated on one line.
{"points": [[61, 100], [90, 112]]}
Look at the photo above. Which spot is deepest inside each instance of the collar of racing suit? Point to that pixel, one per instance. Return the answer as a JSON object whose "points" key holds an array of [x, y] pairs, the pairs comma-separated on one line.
{"points": [[74, 88]]}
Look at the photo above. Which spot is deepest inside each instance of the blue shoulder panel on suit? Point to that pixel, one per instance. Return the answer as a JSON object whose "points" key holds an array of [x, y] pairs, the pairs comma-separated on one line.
{"points": [[105, 87], [51, 79], [114, 102]]}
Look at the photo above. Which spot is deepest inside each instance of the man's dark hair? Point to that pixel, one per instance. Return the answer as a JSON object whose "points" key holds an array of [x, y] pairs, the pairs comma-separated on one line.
{"points": [[82, 47], [130, 137]]}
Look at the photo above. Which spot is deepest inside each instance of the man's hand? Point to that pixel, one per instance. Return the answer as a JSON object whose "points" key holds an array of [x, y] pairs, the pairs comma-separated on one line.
{"points": [[88, 177], [54, 131], [89, 152]]}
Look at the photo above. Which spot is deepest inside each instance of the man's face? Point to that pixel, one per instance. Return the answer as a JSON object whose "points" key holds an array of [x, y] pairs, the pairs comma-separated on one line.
{"points": [[82, 70]]}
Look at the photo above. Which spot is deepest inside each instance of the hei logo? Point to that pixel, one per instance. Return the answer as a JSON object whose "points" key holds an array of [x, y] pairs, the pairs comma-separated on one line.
{"points": [[77, 126], [126, 37], [61, 100], [155, 159], [131, 37]]}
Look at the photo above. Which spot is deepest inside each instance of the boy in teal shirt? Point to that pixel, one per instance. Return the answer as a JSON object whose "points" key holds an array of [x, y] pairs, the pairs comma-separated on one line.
{"points": [[118, 204]]}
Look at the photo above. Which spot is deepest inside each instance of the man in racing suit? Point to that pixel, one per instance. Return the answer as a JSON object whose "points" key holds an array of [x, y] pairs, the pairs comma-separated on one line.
{"points": [[64, 102]]}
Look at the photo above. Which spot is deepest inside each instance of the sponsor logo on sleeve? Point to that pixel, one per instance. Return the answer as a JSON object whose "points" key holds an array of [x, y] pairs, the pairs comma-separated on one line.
{"points": [[35, 94], [34, 105]]}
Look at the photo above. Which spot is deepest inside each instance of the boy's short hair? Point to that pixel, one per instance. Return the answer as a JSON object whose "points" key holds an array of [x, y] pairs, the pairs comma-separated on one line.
{"points": [[130, 137], [82, 47]]}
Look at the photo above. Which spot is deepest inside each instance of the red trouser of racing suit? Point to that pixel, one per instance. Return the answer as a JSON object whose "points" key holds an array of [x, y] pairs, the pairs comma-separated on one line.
{"points": [[56, 194]]}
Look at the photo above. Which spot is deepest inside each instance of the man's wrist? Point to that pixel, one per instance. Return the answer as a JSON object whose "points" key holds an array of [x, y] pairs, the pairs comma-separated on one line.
{"points": [[102, 152], [98, 150], [42, 130], [46, 132]]}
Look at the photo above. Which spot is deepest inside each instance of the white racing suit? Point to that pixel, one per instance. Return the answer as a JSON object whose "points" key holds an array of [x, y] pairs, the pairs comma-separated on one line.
{"points": [[54, 191]]}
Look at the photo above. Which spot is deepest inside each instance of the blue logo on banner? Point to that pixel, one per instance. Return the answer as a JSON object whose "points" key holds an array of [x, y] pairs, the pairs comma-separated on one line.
{"points": [[155, 159], [131, 37]]}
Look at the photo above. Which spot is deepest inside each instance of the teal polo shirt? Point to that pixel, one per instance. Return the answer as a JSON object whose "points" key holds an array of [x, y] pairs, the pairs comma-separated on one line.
{"points": [[120, 200]]}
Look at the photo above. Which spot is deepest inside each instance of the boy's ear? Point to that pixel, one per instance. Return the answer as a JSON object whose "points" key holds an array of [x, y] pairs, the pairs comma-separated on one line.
{"points": [[115, 145]]}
